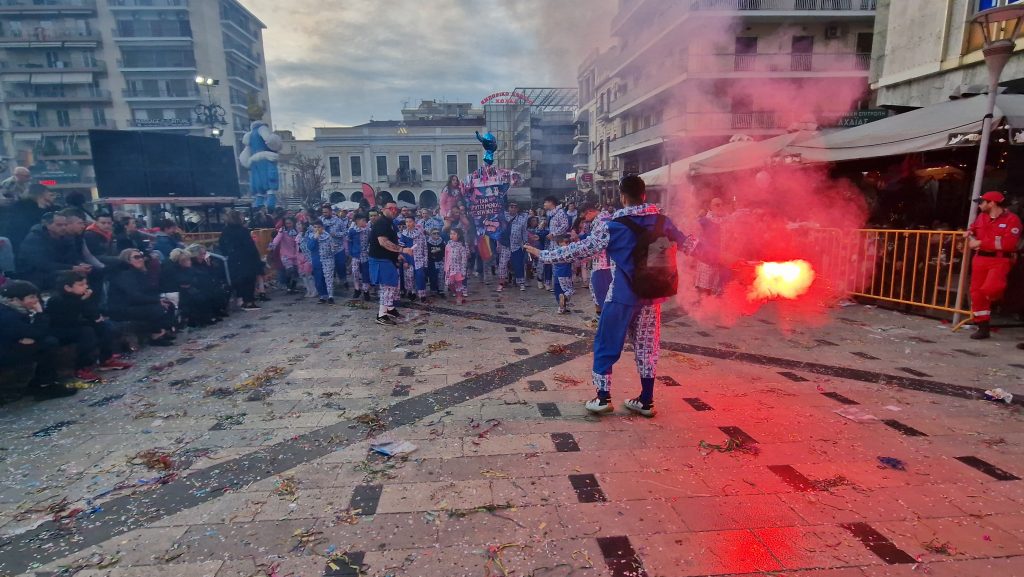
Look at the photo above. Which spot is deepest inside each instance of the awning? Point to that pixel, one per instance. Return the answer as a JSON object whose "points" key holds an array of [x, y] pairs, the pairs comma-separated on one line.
{"points": [[749, 155], [928, 128], [680, 169]]}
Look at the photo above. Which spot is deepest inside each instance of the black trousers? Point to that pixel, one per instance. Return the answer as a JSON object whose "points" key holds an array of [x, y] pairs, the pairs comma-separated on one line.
{"points": [[245, 288], [154, 317], [84, 339], [39, 354]]}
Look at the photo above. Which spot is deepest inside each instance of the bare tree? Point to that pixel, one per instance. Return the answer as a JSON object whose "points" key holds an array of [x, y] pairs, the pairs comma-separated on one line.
{"points": [[310, 178]]}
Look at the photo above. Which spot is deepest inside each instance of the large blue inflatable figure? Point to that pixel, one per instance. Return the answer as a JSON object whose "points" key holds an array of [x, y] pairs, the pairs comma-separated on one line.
{"points": [[260, 157], [490, 143]]}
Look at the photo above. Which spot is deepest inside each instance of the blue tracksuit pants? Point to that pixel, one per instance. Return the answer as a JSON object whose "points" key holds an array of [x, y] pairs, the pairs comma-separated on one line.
{"points": [[641, 324]]}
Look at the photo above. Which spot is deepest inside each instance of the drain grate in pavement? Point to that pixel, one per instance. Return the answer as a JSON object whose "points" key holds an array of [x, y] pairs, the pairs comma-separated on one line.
{"points": [[841, 398], [522, 352], [53, 429], [738, 434], [565, 443], [904, 429], [913, 372], [793, 478], [620, 557], [698, 405], [415, 342], [865, 356], [365, 499], [549, 410], [510, 329], [515, 339], [106, 400], [878, 544], [536, 386], [351, 565], [587, 489], [988, 468], [406, 372], [825, 343], [668, 381], [793, 376], [969, 353], [401, 390]]}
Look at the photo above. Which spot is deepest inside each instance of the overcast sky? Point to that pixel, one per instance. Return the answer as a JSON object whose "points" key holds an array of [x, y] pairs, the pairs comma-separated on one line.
{"points": [[341, 62]]}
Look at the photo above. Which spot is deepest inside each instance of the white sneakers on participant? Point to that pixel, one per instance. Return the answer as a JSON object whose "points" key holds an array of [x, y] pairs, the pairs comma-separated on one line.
{"points": [[599, 407], [636, 406]]}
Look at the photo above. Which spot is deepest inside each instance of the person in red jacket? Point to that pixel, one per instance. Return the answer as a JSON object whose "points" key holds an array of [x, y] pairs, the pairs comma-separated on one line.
{"points": [[993, 237]]}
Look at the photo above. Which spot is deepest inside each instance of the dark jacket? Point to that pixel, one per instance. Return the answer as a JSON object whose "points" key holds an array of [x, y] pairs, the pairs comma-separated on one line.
{"points": [[41, 256], [165, 243], [20, 218], [66, 311], [130, 287], [237, 246], [16, 324], [99, 244], [175, 278]]}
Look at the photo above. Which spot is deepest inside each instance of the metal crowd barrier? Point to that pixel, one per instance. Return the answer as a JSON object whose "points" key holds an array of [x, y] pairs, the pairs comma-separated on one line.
{"points": [[915, 268], [262, 237]]}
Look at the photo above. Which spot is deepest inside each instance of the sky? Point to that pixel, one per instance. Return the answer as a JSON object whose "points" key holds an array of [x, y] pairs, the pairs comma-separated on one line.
{"points": [[343, 62]]}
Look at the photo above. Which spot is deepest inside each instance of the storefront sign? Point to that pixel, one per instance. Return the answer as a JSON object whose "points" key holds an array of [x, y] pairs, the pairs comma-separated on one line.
{"points": [[855, 118], [507, 98], [963, 138]]}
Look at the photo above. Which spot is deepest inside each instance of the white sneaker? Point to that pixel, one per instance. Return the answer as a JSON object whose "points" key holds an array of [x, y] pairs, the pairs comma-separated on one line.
{"points": [[595, 406], [499, 288], [522, 287], [636, 406]]}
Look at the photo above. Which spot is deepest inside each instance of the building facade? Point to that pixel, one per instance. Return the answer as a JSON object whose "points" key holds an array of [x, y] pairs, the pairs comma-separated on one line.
{"points": [[403, 160], [535, 129], [927, 51], [68, 66], [687, 76]]}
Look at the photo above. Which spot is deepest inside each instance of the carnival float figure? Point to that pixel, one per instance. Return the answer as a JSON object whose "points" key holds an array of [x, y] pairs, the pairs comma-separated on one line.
{"points": [[260, 157], [490, 144]]}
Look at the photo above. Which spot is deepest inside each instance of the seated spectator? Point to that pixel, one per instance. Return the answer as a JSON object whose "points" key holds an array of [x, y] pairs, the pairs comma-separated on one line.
{"points": [[74, 235], [45, 251], [211, 279], [26, 213], [167, 238], [26, 345], [178, 276], [133, 298], [75, 319], [127, 235], [99, 236]]}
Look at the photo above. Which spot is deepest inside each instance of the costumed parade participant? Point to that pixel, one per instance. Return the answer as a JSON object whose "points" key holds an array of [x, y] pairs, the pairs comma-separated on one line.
{"points": [[490, 144], [639, 241], [321, 251], [416, 263], [456, 260], [435, 261], [384, 253], [510, 247], [260, 157], [558, 224], [359, 246]]}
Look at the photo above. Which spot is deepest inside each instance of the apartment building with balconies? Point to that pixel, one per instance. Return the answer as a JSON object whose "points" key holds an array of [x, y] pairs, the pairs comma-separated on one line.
{"points": [[68, 66], [927, 51], [687, 76]]}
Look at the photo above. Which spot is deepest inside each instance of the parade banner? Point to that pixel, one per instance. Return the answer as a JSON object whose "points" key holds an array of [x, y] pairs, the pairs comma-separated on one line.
{"points": [[486, 196]]}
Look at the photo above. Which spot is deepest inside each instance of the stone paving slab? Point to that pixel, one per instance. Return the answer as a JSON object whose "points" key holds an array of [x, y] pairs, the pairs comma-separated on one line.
{"points": [[521, 464]]}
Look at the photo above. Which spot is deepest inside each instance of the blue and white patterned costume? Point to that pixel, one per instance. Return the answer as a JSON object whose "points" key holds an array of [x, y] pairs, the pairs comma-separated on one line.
{"points": [[624, 313], [260, 157]]}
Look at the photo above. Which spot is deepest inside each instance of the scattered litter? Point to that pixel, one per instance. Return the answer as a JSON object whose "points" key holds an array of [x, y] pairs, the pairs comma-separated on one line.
{"points": [[832, 483], [226, 421], [259, 394], [990, 443], [259, 381], [494, 559], [438, 346], [892, 463], [306, 539], [161, 367], [374, 421], [998, 395], [558, 350], [893, 408], [493, 474], [730, 446], [692, 363], [490, 508], [567, 380], [218, 392], [287, 487], [856, 415], [94, 561], [393, 448], [337, 561], [153, 459], [944, 548]]}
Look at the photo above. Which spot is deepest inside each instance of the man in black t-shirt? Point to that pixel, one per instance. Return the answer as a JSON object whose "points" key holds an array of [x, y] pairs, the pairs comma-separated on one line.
{"points": [[384, 252]]}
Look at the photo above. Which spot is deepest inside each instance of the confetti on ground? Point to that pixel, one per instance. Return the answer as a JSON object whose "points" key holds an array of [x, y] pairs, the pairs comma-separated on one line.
{"points": [[494, 559], [264, 378], [287, 487], [438, 346], [943, 548], [306, 539], [558, 350], [891, 463], [730, 446], [832, 483], [153, 459], [567, 380], [218, 392]]}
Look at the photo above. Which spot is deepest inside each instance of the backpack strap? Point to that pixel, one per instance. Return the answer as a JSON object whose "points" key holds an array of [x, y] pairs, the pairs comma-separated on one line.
{"points": [[631, 225]]}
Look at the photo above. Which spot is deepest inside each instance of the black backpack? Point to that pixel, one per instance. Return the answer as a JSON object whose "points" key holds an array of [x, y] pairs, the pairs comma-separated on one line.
{"points": [[654, 260]]}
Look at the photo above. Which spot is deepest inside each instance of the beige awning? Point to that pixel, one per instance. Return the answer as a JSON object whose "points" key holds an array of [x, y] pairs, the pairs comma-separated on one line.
{"points": [[919, 130], [749, 155], [680, 169]]}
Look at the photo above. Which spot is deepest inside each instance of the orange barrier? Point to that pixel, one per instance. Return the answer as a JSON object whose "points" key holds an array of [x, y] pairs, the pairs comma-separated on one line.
{"points": [[261, 236]]}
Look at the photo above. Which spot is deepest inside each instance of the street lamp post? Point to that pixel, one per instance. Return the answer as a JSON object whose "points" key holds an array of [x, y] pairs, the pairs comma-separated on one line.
{"points": [[1000, 28], [211, 115]]}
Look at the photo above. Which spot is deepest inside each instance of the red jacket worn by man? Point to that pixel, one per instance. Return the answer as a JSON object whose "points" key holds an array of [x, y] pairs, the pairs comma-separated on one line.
{"points": [[994, 237]]}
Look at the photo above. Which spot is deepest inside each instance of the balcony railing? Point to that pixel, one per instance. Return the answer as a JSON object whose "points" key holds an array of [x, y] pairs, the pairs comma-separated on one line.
{"points": [[160, 93], [71, 6], [168, 34], [71, 96], [187, 65], [98, 66], [75, 125], [154, 4], [779, 63], [165, 123], [647, 136], [785, 5], [45, 35], [409, 178]]}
